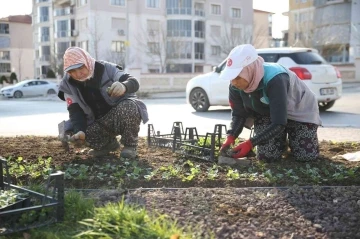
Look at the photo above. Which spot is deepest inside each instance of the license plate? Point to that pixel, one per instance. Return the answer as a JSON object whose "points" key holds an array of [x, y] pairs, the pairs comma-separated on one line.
{"points": [[327, 91]]}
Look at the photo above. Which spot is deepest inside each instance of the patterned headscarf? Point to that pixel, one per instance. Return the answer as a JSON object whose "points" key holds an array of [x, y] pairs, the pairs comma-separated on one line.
{"points": [[253, 74], [76, 55]]}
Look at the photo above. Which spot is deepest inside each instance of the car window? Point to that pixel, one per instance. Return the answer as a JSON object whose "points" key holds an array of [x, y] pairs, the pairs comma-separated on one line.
{"points": [[307, 58], [269, 57], [43, 83]]}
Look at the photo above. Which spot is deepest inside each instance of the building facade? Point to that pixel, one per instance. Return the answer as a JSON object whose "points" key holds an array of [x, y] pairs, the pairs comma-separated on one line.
{"points": [[16, 50], [331, 26], [153, 36]]}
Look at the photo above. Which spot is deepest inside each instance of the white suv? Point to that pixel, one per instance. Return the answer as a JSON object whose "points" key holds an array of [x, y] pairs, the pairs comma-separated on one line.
{"points": [[322, 78]]}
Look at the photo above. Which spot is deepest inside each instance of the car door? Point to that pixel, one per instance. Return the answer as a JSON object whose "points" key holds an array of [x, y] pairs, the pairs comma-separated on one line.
{"points": [[28, 88], [219, 88]]}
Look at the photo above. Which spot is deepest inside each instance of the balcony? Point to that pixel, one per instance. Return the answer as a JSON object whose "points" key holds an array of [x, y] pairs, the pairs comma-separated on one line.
{"points": [[60, 34], [45, 38], [44, 18], [64, 3], [63, 11], [199, 12], [178, 11], [45, 58]]}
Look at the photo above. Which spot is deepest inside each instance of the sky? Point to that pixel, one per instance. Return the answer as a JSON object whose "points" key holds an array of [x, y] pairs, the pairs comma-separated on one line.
{"points": [[280, 22]]}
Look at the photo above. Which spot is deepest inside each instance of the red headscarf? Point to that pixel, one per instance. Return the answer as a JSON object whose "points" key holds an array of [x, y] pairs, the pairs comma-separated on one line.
{"points": [[253, 74], [76, 55]]}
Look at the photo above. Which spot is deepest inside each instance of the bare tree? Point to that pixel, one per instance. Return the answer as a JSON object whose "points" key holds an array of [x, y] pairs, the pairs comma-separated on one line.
{"points": [[118, 58], [154, 42], [95, 33], [233, 36]]}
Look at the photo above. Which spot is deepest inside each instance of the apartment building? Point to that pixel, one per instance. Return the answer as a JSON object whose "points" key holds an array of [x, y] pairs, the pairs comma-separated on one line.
{"points": [[262, 29], [16, 50], [153, 36], [331, 26]]}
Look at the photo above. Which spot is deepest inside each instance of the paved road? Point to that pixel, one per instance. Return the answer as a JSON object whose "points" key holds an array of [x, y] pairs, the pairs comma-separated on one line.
{"points": [[39, 117]]}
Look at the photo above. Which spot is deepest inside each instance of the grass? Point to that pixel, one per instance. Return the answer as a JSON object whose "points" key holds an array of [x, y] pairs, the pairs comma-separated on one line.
{"points": [[115, 220]]}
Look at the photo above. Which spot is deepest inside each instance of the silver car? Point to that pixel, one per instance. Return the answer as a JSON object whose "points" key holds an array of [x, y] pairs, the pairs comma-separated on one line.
{"points": [[29, 88]]}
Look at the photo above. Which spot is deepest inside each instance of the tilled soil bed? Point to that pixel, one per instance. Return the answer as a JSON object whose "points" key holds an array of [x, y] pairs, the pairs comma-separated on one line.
{"points": [[211, 198], [296, 212]]}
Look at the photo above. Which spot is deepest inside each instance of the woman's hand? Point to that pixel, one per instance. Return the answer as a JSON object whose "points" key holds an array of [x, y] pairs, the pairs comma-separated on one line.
{"points": [[117, 89], [242, 149]]}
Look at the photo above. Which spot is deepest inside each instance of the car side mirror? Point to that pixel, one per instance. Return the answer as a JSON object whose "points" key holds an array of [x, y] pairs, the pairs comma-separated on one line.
{"points": [[215, 69]]}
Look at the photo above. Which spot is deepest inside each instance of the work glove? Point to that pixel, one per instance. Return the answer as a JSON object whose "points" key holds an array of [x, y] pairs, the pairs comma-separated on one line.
{"points": [[242, 149], [230, 140], [117, 89], [78, 139]]}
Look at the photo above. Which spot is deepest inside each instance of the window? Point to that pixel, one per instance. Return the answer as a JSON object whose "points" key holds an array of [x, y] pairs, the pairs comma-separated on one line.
{"points": [[118, 2], [84, 45], [4, 42], [82, 24], [215, 30], [236, 12], [215, 50], [80, 3], [199, 9], [5, 67], [178, 68], [153, 27], [62, 28], [179, 50], [118, 46], [154, 47], [215, 9], [61, 48], [4, 28], [182, 7], [45, 53], [4, 55], [63, 11], [179, 28], [152, 3], [44, 14], [118, 23], [45, 34], [199, 51], [269, 57], [200, 29]]}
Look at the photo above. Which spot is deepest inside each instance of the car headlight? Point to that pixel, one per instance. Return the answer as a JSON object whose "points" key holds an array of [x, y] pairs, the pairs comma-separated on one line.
{"points": [[7, 90]]}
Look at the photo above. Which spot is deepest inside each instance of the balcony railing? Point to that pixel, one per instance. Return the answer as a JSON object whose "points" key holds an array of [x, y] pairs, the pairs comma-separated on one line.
{"points": [[63, 11], [44, 18], [45, 38], [200, 34], [45, 58], [59, 34], [199, 12], [178, 11]]}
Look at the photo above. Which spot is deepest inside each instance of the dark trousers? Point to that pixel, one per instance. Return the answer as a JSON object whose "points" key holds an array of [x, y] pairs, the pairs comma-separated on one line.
{"points": [[302, 140], [123, 119]]}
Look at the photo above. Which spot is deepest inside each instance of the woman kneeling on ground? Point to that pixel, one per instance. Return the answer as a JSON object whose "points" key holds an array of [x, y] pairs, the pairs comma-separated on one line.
{"points": [[281, 105], [102, 104]]}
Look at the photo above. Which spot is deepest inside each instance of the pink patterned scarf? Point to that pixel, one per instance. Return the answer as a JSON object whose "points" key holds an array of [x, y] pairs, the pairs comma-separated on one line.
{"points": [[76, 55], [253, 74]]}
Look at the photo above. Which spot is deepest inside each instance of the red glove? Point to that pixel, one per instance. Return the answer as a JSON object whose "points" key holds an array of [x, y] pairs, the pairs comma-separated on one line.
{"points": [[242, 149], [230, 140]]}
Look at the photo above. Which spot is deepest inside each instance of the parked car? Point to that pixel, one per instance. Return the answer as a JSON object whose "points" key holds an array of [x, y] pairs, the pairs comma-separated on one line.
{"points": [[322, 78], [29, 88]]}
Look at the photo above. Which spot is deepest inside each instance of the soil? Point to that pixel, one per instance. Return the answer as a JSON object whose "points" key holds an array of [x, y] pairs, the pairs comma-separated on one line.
{"points": [[239, 207]]}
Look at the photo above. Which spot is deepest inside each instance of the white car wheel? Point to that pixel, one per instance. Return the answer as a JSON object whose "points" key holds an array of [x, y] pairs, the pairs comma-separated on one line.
{"points": [[199, 100], [18, 94]]}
